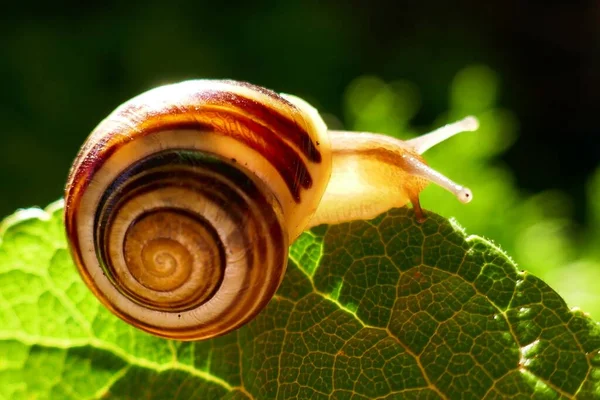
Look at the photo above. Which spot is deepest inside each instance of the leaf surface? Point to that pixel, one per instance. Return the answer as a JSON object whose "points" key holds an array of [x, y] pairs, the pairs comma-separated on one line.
{"points": [[387, 308]]}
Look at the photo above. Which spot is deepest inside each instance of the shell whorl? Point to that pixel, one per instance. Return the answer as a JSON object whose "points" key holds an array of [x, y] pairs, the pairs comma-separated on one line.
{"points": [[181, 204]]}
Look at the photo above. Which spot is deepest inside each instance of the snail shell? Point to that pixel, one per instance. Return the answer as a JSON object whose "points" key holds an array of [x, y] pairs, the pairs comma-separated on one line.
{"points": [[182, 203]]}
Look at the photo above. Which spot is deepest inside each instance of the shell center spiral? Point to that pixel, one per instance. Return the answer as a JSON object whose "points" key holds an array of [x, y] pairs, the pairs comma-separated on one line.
{"points": [[166, 261], [174, 257]]}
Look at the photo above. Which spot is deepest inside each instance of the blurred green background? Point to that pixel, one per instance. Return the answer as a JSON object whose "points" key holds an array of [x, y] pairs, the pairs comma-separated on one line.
{"points": [[530, 72]]}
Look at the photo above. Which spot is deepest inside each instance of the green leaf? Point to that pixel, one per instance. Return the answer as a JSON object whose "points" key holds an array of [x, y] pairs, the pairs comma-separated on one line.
{"points": [[373, 309]]}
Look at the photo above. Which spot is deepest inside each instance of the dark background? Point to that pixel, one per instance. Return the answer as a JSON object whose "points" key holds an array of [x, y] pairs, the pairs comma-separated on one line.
{"points": [[64, 68]]}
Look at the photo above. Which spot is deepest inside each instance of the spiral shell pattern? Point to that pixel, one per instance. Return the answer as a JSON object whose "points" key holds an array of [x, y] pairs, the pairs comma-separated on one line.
{"points": [[181, 205]]}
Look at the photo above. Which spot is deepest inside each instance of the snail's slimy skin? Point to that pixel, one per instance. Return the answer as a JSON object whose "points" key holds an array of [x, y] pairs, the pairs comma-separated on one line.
{"points": [[182, 203]]}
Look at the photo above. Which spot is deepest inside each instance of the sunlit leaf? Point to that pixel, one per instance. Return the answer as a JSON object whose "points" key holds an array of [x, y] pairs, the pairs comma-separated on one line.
{"points": [[387, 308]]}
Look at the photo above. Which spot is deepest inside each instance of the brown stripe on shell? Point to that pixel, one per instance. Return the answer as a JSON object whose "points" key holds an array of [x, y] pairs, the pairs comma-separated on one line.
{"points": [[282, 125]]}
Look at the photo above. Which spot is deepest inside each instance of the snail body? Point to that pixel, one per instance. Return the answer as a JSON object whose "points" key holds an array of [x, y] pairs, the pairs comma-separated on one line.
{"points": [[181, 204]]}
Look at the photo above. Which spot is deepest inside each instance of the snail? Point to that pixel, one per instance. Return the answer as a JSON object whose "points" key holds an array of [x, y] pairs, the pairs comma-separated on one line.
{"points": [[181, 204]]}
